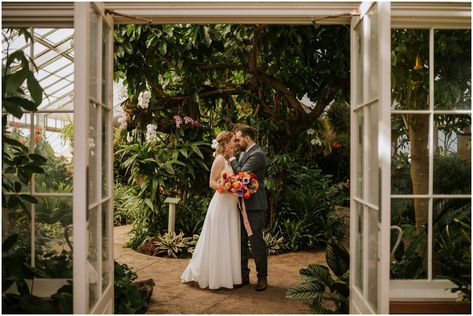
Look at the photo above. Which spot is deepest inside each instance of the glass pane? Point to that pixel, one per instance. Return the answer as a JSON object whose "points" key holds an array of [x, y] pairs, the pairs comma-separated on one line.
{"points": [[106, 159], [56, 75], [452, 161], [93, 49], [372, 19], [359, 81], [410, 154], [451, 255], [105, 63], [93, 256], [107, 264], [452, 69], [410, 258], [14, 42], [373, 235], [53, 217], [410, 69], [92, 172], [359, 246], [17, 129], [53, 140], [359, 153], [372, 165], [16, 221]]}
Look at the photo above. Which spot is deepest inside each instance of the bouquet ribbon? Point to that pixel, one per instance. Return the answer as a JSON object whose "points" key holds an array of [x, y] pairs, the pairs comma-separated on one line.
{"points": [[246, 223]]}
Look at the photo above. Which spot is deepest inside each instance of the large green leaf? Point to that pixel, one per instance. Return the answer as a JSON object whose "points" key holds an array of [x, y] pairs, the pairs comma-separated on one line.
{"points": [[9, 242], [318, 273], [36, 305], [14, 109], [337, 258], [15, 80], [196, 149], [24, 103], [35, 89], [305, 291]]}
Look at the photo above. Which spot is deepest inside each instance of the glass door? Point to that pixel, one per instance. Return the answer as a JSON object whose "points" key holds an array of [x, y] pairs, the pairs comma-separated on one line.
{"points": [[370, 159], [93, 157]]}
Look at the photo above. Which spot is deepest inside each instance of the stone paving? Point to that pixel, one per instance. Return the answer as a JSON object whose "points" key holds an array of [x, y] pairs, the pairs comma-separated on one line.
{"points": [[170, 296]]}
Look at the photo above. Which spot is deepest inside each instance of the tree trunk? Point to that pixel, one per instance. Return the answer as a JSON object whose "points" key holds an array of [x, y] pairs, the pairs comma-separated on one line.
{"points": [[418, 129]]}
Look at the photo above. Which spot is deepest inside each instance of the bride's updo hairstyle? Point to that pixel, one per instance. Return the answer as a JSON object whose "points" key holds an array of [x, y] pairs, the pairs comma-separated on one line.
{"points": [[221, 142]]}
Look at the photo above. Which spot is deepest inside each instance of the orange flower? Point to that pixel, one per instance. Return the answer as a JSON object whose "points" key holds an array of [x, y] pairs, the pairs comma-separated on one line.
{"points": [[247, 195], [37, 137], [220, 190]]}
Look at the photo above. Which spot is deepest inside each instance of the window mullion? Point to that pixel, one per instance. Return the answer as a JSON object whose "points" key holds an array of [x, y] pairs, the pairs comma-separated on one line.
{"points": [[431, 155]]}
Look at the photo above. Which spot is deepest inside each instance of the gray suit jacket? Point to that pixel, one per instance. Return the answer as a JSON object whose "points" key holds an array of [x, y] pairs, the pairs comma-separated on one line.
{"points": [[254, 162]]}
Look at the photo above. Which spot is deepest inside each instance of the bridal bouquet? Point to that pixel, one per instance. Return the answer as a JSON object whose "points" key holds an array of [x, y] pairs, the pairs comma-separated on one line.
{"points": [[242, 184]]}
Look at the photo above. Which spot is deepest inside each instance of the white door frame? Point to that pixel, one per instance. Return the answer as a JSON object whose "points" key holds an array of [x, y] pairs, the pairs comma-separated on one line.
{"points": [[370, 165], [100, 207]]}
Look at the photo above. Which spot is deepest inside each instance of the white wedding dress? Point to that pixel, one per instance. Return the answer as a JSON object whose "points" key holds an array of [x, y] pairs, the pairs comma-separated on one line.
{"points": [[216, 260]]}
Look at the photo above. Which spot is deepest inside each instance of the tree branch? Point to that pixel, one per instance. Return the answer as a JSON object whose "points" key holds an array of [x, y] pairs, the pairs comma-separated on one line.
{"points": [[282, 88], [206, 94], [220, 66]]}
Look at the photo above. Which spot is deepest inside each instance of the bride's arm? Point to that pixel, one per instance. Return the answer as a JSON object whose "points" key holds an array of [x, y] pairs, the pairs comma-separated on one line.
{"points": [[217, 167]]}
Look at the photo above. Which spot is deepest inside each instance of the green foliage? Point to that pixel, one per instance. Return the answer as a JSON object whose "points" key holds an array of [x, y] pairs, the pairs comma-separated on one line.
{"points": [[16, 270], [451, 175], [338, 115], [127, 298], [305, 218], [408, 263], [170, 244], [207, 72], [192, 242], [126, 204], [274, 244], [190, 214], [453, 246], [319, 285]]}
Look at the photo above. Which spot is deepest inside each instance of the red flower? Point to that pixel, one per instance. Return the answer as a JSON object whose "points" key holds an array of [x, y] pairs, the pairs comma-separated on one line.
{"points": [[253, 176], [37, 137], [246, 195], [336, 145]]}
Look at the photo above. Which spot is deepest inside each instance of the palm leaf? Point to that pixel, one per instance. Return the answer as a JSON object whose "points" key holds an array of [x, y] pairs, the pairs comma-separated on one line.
{"points": [[317, 273], [305, 291], [337, 258]]}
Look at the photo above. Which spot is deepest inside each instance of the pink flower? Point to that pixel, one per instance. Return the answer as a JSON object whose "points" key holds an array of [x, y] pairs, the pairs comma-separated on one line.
{"points": [[188, 120], [178, 120], [197, 123]]}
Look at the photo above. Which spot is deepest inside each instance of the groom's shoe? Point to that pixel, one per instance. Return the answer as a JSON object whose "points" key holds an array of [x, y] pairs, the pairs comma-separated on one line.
{"points": [[245, 280], [261, 285]]}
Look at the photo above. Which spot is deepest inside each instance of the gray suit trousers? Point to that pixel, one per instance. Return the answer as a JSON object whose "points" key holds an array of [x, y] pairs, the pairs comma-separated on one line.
{"points": [[258, 246]]}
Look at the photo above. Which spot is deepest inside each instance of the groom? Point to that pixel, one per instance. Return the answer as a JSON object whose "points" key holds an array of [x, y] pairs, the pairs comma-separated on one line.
{"points": [[252, 159]]}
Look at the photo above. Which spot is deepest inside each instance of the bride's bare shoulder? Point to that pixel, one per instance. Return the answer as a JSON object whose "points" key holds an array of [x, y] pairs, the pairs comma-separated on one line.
{"points": [[219, 158]]}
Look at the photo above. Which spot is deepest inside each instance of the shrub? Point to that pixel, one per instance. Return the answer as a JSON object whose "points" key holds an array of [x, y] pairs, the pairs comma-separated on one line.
{"points": [[127, 298]]}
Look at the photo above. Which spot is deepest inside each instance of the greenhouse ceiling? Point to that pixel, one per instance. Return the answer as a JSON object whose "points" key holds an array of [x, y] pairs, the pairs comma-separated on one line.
{"points": [[405, 14]]}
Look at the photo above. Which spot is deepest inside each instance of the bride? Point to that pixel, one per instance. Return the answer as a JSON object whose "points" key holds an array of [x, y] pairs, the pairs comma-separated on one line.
{"points": [[216, 260]]}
